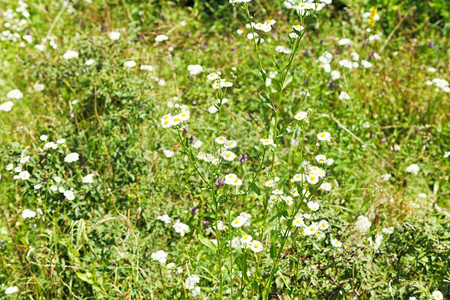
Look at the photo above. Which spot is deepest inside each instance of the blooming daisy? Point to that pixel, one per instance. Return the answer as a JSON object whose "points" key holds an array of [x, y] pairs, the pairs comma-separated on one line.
{"points": [[238, 222], [225, 83], [246, 239], [298, 27], [267, 142], [321, 159], [166, 121], [277, 192], [298, 177], [437, 295], [212, 76], [269, 183], [184, 116], [336, 243], [324, 136], [314, 206], [230, 144], [283, 50], [289, 201], [298, 222], [312, 229], [228, 155], [69, 195], [201, 155], [256, 246], [323, 225], [301, 116], [312, 178], [220, 140], [24, 175]]}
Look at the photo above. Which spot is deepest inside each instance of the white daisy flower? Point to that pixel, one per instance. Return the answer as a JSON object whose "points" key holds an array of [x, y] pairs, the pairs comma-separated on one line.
{"points": [[324, 136], [228, 155], [256, 246], [336, 243]]}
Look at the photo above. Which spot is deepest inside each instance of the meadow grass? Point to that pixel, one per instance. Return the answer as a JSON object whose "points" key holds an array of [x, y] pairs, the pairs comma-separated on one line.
{"points": [[384, 193]]}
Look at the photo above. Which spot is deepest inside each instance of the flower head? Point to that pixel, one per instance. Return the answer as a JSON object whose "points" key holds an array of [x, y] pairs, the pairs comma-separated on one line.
{"points": [[256, 246]]}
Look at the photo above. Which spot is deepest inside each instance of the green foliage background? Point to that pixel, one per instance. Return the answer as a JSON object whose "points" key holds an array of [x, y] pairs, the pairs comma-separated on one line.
{"points": [[100, 246]]}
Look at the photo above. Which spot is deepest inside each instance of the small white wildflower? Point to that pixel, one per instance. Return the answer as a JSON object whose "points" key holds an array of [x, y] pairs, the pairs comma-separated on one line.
{"points": [[161, 38], [160, 256], [164, 218], [72, 157], [363, 224], [414, 169], [114, 36], [70, 54], [88, 178], [28, 213]]}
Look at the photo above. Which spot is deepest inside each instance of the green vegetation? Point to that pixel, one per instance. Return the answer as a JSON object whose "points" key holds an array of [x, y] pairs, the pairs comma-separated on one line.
{"points": [[100, 201]]}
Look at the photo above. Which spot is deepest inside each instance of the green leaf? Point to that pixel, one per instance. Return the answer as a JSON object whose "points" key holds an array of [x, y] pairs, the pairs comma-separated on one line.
{"points": [[255, 188], [85, 277], [207, 242]]}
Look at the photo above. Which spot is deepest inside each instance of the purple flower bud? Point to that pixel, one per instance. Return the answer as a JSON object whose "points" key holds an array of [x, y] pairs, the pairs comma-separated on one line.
{"points": [[194, 210], [305, 81], [219, 182], [383, 140], [305, 52], [191, 139], [431, 44], [405, 182], [244, 158], [331, 84], [194, 103], [371, 55], [233, 49], [294, 142], [72, 115], [84, 70], [103, 27], [203, 46], [188, 34]]}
